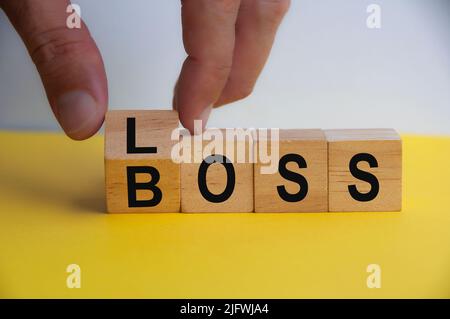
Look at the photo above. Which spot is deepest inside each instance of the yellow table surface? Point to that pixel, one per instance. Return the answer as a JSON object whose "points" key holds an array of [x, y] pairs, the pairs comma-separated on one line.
{"points": [[52, 215]]}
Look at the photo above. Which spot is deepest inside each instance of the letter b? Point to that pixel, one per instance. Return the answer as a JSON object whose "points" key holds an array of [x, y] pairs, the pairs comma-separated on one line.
{"points": [[133, 186]]}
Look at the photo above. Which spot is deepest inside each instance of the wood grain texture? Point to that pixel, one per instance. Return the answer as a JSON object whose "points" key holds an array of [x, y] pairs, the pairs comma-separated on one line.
{"points": [[385, 146], [153, 128], [312, 146], [241, 200]]}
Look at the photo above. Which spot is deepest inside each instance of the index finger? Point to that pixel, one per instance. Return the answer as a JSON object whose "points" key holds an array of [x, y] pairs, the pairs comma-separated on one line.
{"points": [[209, 36]]}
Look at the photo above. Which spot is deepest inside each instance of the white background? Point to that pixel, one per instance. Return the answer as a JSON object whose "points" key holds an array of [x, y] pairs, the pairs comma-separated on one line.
{"points": [[327, 69]]}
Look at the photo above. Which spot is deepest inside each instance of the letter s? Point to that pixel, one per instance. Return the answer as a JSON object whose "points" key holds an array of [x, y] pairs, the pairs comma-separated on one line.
{"points": [[293, 177], [364, 176]]}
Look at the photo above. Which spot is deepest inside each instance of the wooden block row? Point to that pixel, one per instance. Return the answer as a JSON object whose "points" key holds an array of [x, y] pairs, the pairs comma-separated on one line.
{"points": [[314, 171]]}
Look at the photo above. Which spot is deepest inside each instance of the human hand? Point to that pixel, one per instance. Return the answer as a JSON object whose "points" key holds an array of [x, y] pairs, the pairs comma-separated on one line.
{"points": [[227, 42]]}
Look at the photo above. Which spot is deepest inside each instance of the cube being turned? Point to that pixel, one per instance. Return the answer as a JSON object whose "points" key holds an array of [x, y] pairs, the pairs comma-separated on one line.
{"points": [[139, 172], [365, 170], [298, 181], [217, 176]]}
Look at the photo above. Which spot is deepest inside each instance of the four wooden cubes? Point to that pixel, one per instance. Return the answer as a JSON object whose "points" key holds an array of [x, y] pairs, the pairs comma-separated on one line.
{"points": [[309, 170]]}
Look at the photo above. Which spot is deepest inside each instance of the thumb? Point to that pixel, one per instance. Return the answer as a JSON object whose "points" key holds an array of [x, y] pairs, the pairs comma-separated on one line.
{"points": [[68, 62]]}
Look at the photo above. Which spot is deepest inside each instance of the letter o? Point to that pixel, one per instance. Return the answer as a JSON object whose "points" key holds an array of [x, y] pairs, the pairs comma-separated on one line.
{"points": [[231, 178]]}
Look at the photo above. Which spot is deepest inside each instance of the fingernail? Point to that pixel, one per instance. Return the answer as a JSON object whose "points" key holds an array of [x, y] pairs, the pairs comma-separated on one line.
{"points": [[203, 117], [77, 112]]}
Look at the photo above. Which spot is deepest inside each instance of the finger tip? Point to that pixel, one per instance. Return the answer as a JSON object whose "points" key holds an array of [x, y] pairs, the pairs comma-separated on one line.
{"points": [[188, 124], [195, 123], [79, 115], [87, 132]]}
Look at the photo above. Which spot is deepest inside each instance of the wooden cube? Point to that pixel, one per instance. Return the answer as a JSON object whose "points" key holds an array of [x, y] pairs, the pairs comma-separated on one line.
{"points": [[365, 170], [299, 183], [211, 184], [139, 172]]}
